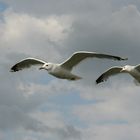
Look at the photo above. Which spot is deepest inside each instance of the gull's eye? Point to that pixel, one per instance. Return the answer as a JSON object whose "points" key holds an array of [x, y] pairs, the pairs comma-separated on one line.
{"points": [[47, 65]]}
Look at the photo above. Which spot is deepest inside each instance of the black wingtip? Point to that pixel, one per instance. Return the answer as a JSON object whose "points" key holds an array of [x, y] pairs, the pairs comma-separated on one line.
{"points": [[14, 68], [11, 70], [97, 82], [100, 79], [120, 58], [125, 58]]}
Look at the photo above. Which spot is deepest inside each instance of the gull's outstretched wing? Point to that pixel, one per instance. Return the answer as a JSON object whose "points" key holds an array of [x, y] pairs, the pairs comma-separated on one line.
{"points": [[77, 57], [26, 63], [110, 72]]}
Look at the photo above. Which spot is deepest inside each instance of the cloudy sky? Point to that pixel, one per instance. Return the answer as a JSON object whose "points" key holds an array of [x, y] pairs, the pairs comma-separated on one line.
{"points": [[38, 106]]}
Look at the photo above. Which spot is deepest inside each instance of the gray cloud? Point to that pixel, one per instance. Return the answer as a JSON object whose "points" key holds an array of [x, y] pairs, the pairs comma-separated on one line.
{"points": [[12, 117], [53, 31], [69, 132], [51, 7]]}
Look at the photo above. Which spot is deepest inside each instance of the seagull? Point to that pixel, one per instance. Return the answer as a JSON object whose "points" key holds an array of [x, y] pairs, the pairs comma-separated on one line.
{"points": [[62, 70], [134, 71]]}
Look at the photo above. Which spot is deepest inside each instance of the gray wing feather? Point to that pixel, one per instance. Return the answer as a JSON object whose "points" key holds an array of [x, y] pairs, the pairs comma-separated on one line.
{"points": [[137, 67], [26, 63], [77, 57], [110, 72]]}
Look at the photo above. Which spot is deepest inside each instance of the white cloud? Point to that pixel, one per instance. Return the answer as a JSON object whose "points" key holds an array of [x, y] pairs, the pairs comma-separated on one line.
{"points": [[114, 115], [114, 132], [25, 33], [52, 31], [56, 126], [19, 26], [111, 106]]}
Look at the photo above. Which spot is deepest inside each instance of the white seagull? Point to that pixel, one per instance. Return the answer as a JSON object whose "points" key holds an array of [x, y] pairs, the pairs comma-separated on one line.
{"points": [[134, 71], [62, 70]]}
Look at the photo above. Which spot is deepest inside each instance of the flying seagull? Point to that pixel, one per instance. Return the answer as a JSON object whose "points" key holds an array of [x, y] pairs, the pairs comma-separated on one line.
{"points": [[62, 70], [134, 71]]}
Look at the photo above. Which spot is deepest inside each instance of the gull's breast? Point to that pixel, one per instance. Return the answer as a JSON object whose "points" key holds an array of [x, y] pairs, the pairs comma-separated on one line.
{"points": [[135, 74], [61, 73]]}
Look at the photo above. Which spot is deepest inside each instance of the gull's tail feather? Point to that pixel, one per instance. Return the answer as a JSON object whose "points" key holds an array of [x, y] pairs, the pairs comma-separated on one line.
{"points": [[75, 78], [125, 58], [137, 83]]}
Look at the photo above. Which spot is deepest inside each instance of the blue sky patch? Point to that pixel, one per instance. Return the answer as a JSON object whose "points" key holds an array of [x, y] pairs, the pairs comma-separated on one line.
{"points": [[3, 6], [113, 122]]}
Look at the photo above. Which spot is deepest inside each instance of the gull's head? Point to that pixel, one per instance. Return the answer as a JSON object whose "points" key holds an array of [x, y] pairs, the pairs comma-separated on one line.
{"points": [[47, 66], [126, 68]]}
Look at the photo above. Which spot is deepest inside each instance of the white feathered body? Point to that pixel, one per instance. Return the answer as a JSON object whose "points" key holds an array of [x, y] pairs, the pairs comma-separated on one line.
{"points": [[136, 74], [60, 72]]}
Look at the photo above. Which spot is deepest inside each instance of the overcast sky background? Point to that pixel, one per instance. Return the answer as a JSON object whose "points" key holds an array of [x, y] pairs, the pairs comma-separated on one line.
{"points": [[38, 106]]}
